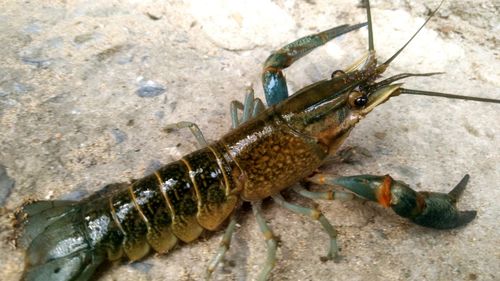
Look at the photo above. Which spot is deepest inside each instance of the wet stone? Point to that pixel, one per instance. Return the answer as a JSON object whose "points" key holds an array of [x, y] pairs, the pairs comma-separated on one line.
{"points": [[125, 58], [407, 171], [6, 185], [142, 266], [33, 28], [11, 87], [82, 38], [55, 42], [118, 135], [150, 89], [22, 88], [36, 62], [35, 56], [110, 53], [159, 114]]}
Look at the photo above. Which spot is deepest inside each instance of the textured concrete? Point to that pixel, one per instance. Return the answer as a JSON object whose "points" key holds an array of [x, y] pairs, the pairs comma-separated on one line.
{"points": [[86, 88]]}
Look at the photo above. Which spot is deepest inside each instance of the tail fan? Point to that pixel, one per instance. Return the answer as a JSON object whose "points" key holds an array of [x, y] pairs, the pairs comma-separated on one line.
{"points": [[57, 248]]}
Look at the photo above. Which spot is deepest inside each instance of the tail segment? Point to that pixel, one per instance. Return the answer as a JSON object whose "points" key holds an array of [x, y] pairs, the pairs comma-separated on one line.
{"points": [[57, 248]]}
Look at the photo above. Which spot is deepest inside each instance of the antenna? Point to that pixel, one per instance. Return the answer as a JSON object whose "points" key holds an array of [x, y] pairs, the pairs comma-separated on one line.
{"points": [[444, 95], [387, 62]]}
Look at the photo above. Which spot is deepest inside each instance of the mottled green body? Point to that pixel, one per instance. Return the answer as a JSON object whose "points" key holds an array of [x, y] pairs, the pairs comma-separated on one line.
{"points": [[181, 199], [272, 154], [174, 203], [177, 202]]}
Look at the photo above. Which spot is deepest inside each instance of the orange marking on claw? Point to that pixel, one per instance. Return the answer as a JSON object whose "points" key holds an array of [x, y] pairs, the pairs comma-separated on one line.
{"points": [[384, 192]]}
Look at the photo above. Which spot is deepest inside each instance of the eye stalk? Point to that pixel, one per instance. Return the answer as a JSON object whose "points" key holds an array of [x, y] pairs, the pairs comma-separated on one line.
{"points": [[357, 99]]}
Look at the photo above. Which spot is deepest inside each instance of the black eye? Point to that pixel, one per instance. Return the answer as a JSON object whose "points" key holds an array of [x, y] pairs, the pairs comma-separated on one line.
{"points": [[361, 101], [357, 99]]}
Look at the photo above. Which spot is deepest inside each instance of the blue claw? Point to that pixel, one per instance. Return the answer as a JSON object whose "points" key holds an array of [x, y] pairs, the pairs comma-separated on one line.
{"points": [[429, 209]]}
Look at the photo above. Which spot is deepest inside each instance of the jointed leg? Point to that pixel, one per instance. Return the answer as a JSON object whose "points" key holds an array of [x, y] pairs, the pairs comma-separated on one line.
{"points": [[223, 247], [251, 107], [194, 129], [271, 242], [325, 195], [316, 215]]}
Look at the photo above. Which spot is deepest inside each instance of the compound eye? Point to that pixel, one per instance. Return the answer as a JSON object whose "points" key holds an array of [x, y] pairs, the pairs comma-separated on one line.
{"points": [[357, 99]]}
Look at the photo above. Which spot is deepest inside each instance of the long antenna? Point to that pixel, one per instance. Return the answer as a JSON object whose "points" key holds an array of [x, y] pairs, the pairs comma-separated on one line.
{"points": [[387, 62], [444, 95], [371, 45], [405, 75]]}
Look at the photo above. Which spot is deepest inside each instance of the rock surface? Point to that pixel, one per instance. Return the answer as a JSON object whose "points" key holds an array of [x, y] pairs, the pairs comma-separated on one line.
{"points": [[85, 88]]}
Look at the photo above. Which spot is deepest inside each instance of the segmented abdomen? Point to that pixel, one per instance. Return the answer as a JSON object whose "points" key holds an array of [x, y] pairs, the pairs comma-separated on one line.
{"points": [[174, 203]]}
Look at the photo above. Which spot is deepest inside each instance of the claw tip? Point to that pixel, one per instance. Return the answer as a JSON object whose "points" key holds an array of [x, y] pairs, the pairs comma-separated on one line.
{"points": [[457, 191]]}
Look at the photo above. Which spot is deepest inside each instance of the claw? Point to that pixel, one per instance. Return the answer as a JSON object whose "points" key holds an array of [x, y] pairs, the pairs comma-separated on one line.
{"points": [[429, 209], [458, 190], [440, 209]]}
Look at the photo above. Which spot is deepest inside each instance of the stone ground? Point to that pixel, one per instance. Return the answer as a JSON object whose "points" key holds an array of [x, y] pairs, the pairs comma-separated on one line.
{"points": [[86, 88]]}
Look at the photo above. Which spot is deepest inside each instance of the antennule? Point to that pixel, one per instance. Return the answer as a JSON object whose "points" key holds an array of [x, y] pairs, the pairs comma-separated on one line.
{"points": [[400, 76]]}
